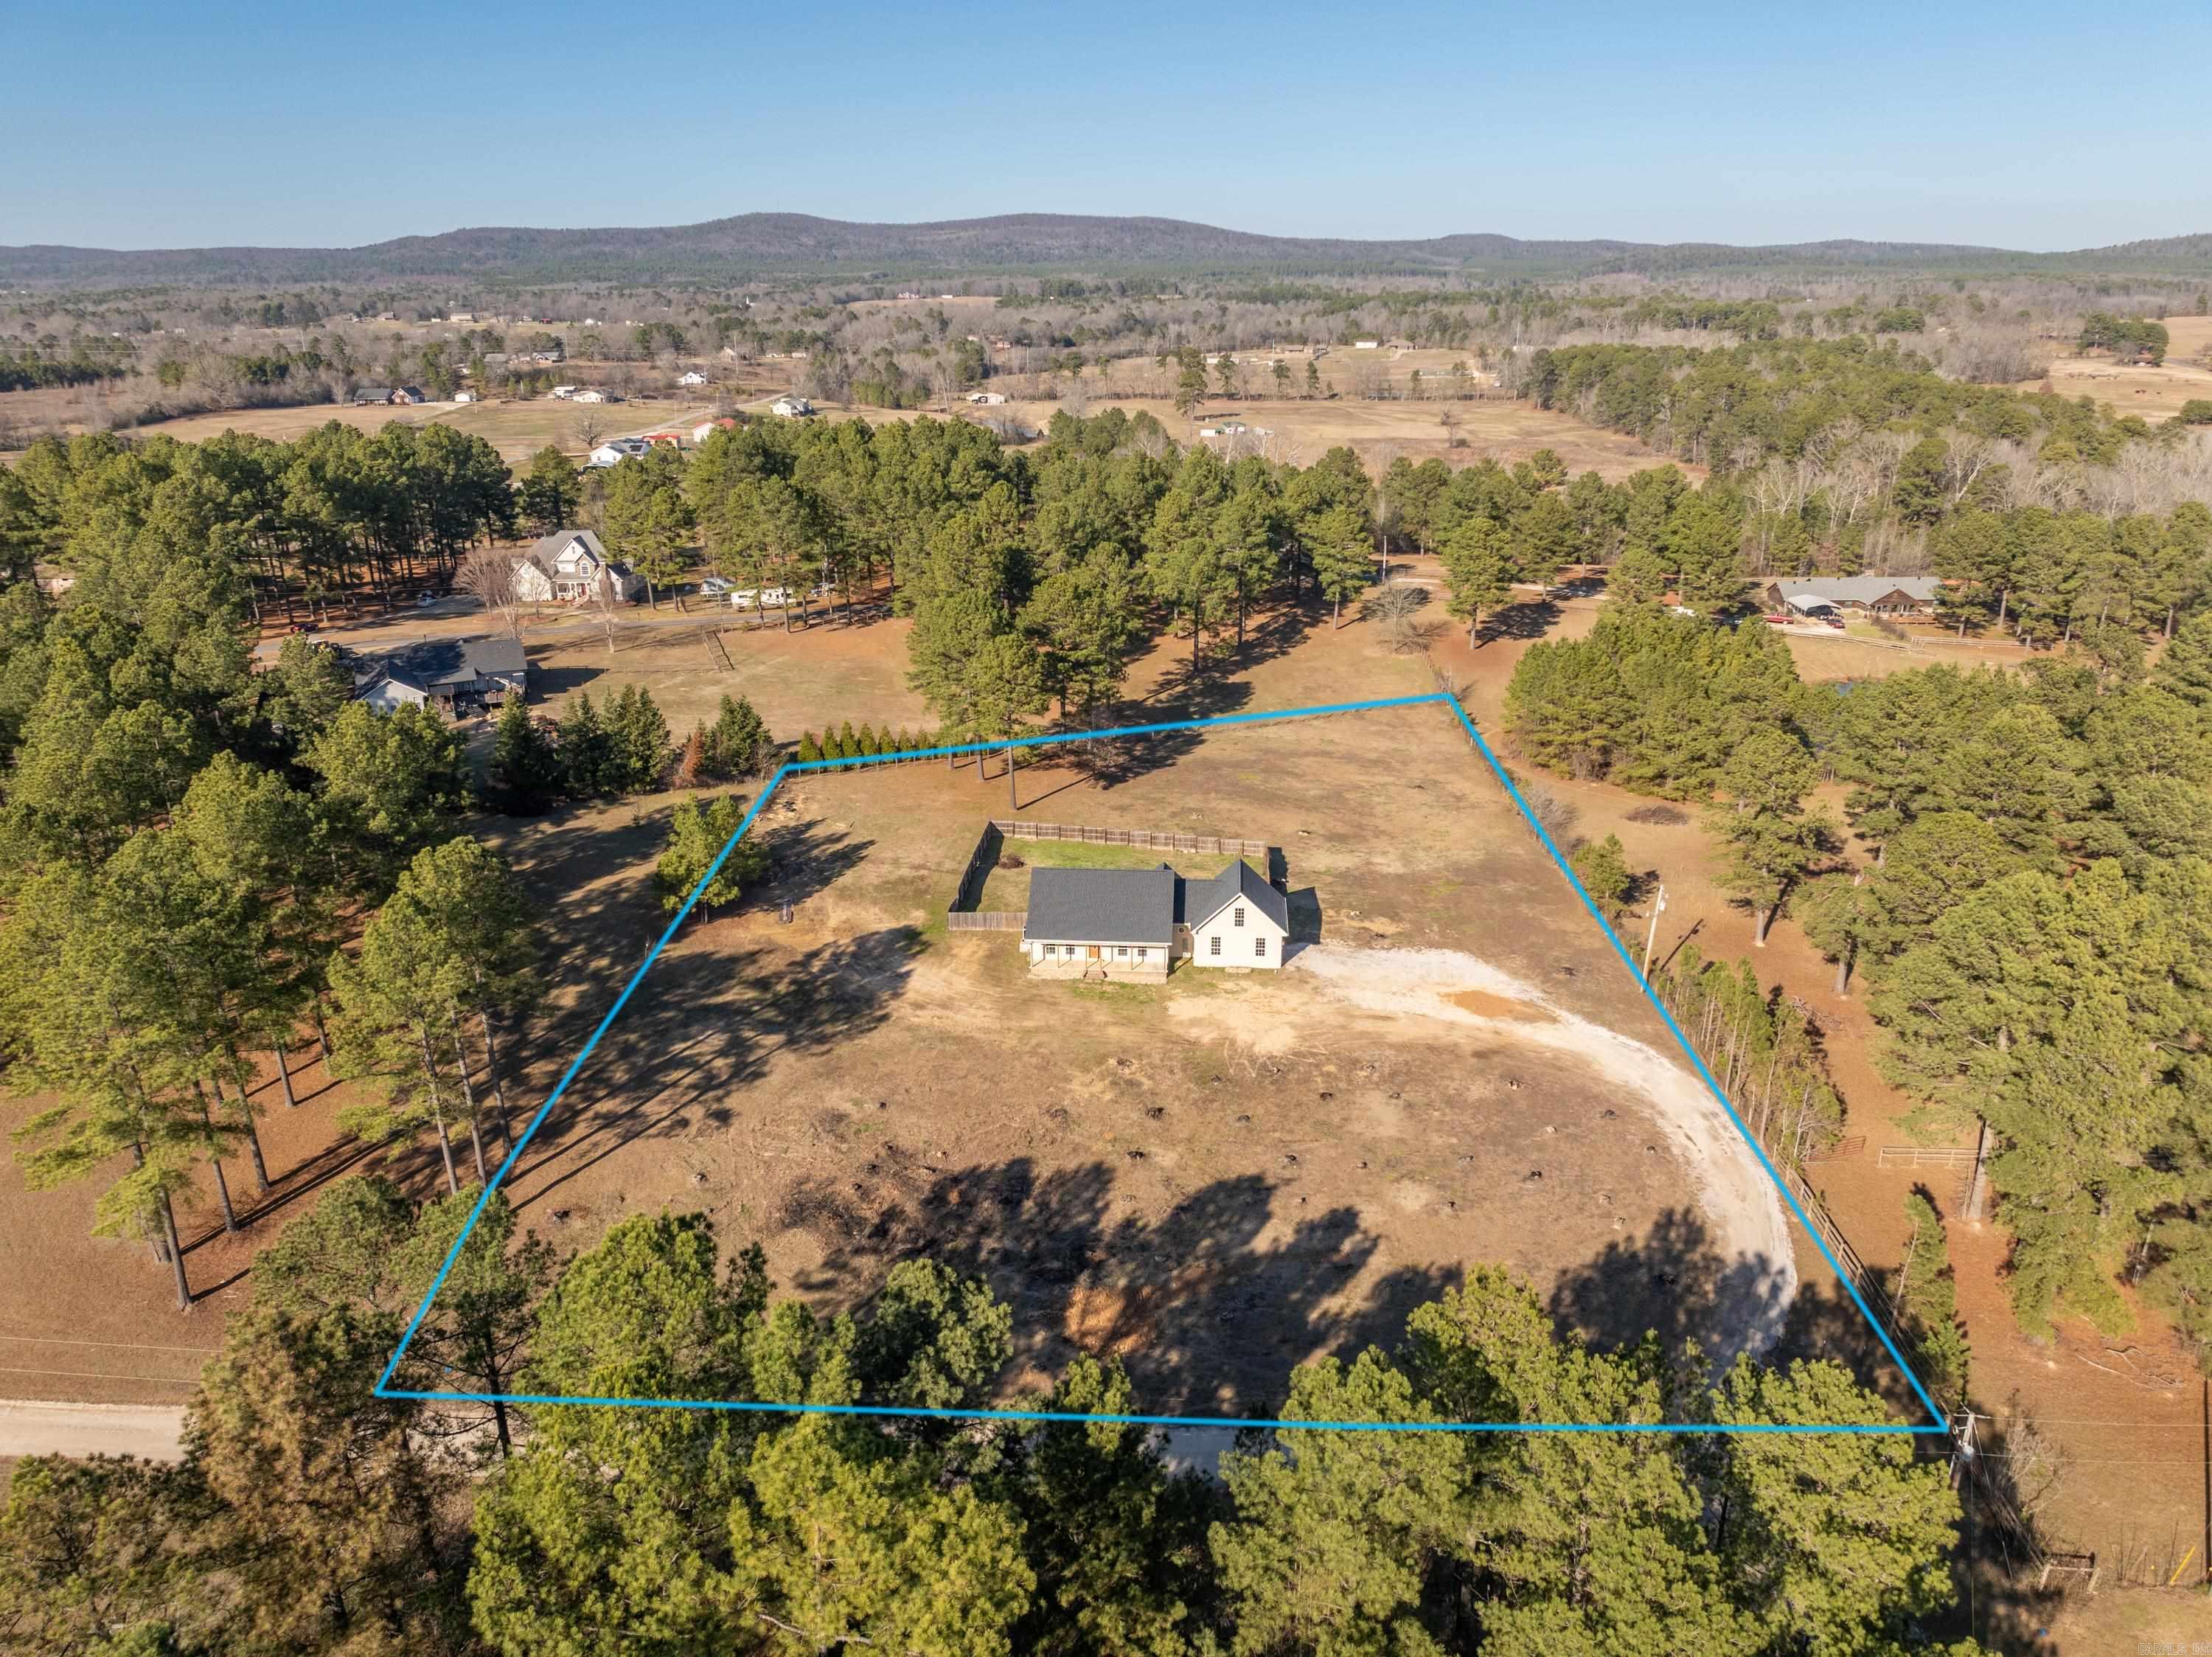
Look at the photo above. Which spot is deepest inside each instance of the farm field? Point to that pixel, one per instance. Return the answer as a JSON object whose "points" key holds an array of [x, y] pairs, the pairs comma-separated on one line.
{"points": [[2155, 394], [517, 430], [1375, 432]]}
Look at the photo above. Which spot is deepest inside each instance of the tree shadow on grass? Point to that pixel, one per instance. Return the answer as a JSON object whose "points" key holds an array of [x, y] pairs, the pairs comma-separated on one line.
{"points": [[705, 1024], [1673, 1283], [1207, 1315]]}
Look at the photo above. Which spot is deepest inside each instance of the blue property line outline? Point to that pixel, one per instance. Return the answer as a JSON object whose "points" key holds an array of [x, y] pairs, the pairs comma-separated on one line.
{"points": [[385, 1390]]}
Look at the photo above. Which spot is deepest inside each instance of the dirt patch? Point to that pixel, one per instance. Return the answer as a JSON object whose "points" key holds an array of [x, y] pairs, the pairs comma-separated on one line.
{"points": [[1484, 1004]]}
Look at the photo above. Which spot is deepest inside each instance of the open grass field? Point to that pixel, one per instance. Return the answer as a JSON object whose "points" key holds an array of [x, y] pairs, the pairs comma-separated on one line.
{"points": [[1216, 1178], [1302, 431], [517, 430], [2155, 393]]}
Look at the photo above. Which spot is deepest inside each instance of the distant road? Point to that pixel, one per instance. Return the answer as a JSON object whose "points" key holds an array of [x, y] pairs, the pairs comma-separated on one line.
{"points": [[33, 1428]]}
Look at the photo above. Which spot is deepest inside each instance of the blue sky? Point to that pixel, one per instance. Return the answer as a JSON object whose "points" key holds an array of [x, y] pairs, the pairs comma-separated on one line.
{"points": [[2027, 125]]}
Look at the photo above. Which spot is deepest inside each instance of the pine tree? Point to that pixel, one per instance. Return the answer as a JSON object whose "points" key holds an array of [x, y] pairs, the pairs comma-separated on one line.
{"points": [[809, 751], [1476, 572], [586, 751], [526, 768], [330, 1506], [641, 739], [1602, 869], [1769, 840], [739, 742], [697, 834]]}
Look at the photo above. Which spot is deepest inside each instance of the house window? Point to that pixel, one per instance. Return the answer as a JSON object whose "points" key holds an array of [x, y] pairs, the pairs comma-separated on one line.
{"points": [[1259, 947], [1239, 914], [1120, 952], [1143, 954], [1214, 944]]}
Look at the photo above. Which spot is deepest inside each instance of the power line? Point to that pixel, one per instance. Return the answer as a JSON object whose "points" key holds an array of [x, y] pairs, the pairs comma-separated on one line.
{"points": [[128, 1346]]}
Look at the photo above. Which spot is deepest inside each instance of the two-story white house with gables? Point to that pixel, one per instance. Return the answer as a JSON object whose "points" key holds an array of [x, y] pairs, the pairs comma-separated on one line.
{"points": [[1133, 924], [568, 566]]}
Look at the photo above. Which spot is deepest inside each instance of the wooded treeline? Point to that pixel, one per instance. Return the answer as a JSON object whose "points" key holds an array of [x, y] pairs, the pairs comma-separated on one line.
{"points": [[292, 524], [2027, 890], [310, 1516]]}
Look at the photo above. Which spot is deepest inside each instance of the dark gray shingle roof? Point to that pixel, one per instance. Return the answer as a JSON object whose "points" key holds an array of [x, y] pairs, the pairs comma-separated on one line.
{"points": [[1101, 905], [1203, 899]]}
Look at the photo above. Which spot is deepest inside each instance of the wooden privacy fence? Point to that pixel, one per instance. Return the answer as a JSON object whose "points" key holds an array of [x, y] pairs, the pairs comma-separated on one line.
{"points": [[1146, 839], [986, 920]]}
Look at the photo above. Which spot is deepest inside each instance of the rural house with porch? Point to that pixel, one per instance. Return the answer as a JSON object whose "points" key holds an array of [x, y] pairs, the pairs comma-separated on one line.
{"points": [[1133, 925]]}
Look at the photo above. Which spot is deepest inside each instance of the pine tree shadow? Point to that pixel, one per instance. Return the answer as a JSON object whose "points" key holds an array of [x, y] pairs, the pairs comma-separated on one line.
{"points": [[1206, 1316], [705, 1024], [1672, 1282]]}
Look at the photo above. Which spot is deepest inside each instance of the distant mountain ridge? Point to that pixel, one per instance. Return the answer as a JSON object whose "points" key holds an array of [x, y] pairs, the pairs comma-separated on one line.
{"points": [[756, 244]]}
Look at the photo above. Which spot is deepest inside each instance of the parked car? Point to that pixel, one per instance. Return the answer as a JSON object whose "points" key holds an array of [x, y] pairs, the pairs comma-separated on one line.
{"points": [[424, 600], [822, 593]]}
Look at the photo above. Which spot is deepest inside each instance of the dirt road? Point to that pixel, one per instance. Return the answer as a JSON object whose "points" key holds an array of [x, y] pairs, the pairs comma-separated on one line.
{"points": [[1749, 1225], [30, 1427]]}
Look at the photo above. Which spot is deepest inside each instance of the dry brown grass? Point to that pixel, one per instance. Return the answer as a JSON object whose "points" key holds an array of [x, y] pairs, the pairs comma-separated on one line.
{"points": [[2155, 393]]}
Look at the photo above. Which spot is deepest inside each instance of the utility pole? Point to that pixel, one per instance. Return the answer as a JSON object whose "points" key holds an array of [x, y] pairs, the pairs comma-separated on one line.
{"points": [[1651, 937]]}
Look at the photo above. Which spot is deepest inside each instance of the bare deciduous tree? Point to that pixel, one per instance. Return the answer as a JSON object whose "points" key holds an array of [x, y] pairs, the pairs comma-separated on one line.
{"points": [[489, 574]]}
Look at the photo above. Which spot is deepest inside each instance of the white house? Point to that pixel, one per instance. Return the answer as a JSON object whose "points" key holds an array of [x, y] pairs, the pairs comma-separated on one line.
{"points": [[691, 377], [616, 450], [593, 396], [569, 565], [792, 408], [465, 397], [707, 428], [564, 392], [1135, 924], [1367, 344]]}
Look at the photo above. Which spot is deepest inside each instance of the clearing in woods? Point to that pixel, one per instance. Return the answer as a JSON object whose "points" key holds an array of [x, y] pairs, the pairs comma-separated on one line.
{"points": [[1215, 1179]]}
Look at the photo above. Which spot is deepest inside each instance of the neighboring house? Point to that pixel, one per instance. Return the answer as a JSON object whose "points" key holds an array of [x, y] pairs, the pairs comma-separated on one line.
{"points": [[364, 395], [53, 581], [1134, 924], [465, 397], [691, 377], [1367, 344], [593, 396], [1873, 596], [564, 392], [707, 428], [455, 675], [991, 398], [566, 566], [616, 450], [792, 408], [664, 439], [408, 394]]}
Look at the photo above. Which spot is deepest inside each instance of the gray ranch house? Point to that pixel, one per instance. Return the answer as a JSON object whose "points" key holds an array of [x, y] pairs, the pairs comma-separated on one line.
{"points": [[1134, 924], [455, 676]]}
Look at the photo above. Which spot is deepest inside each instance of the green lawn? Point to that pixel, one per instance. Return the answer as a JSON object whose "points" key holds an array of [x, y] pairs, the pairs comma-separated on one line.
{"points": [[1009, 888]]}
